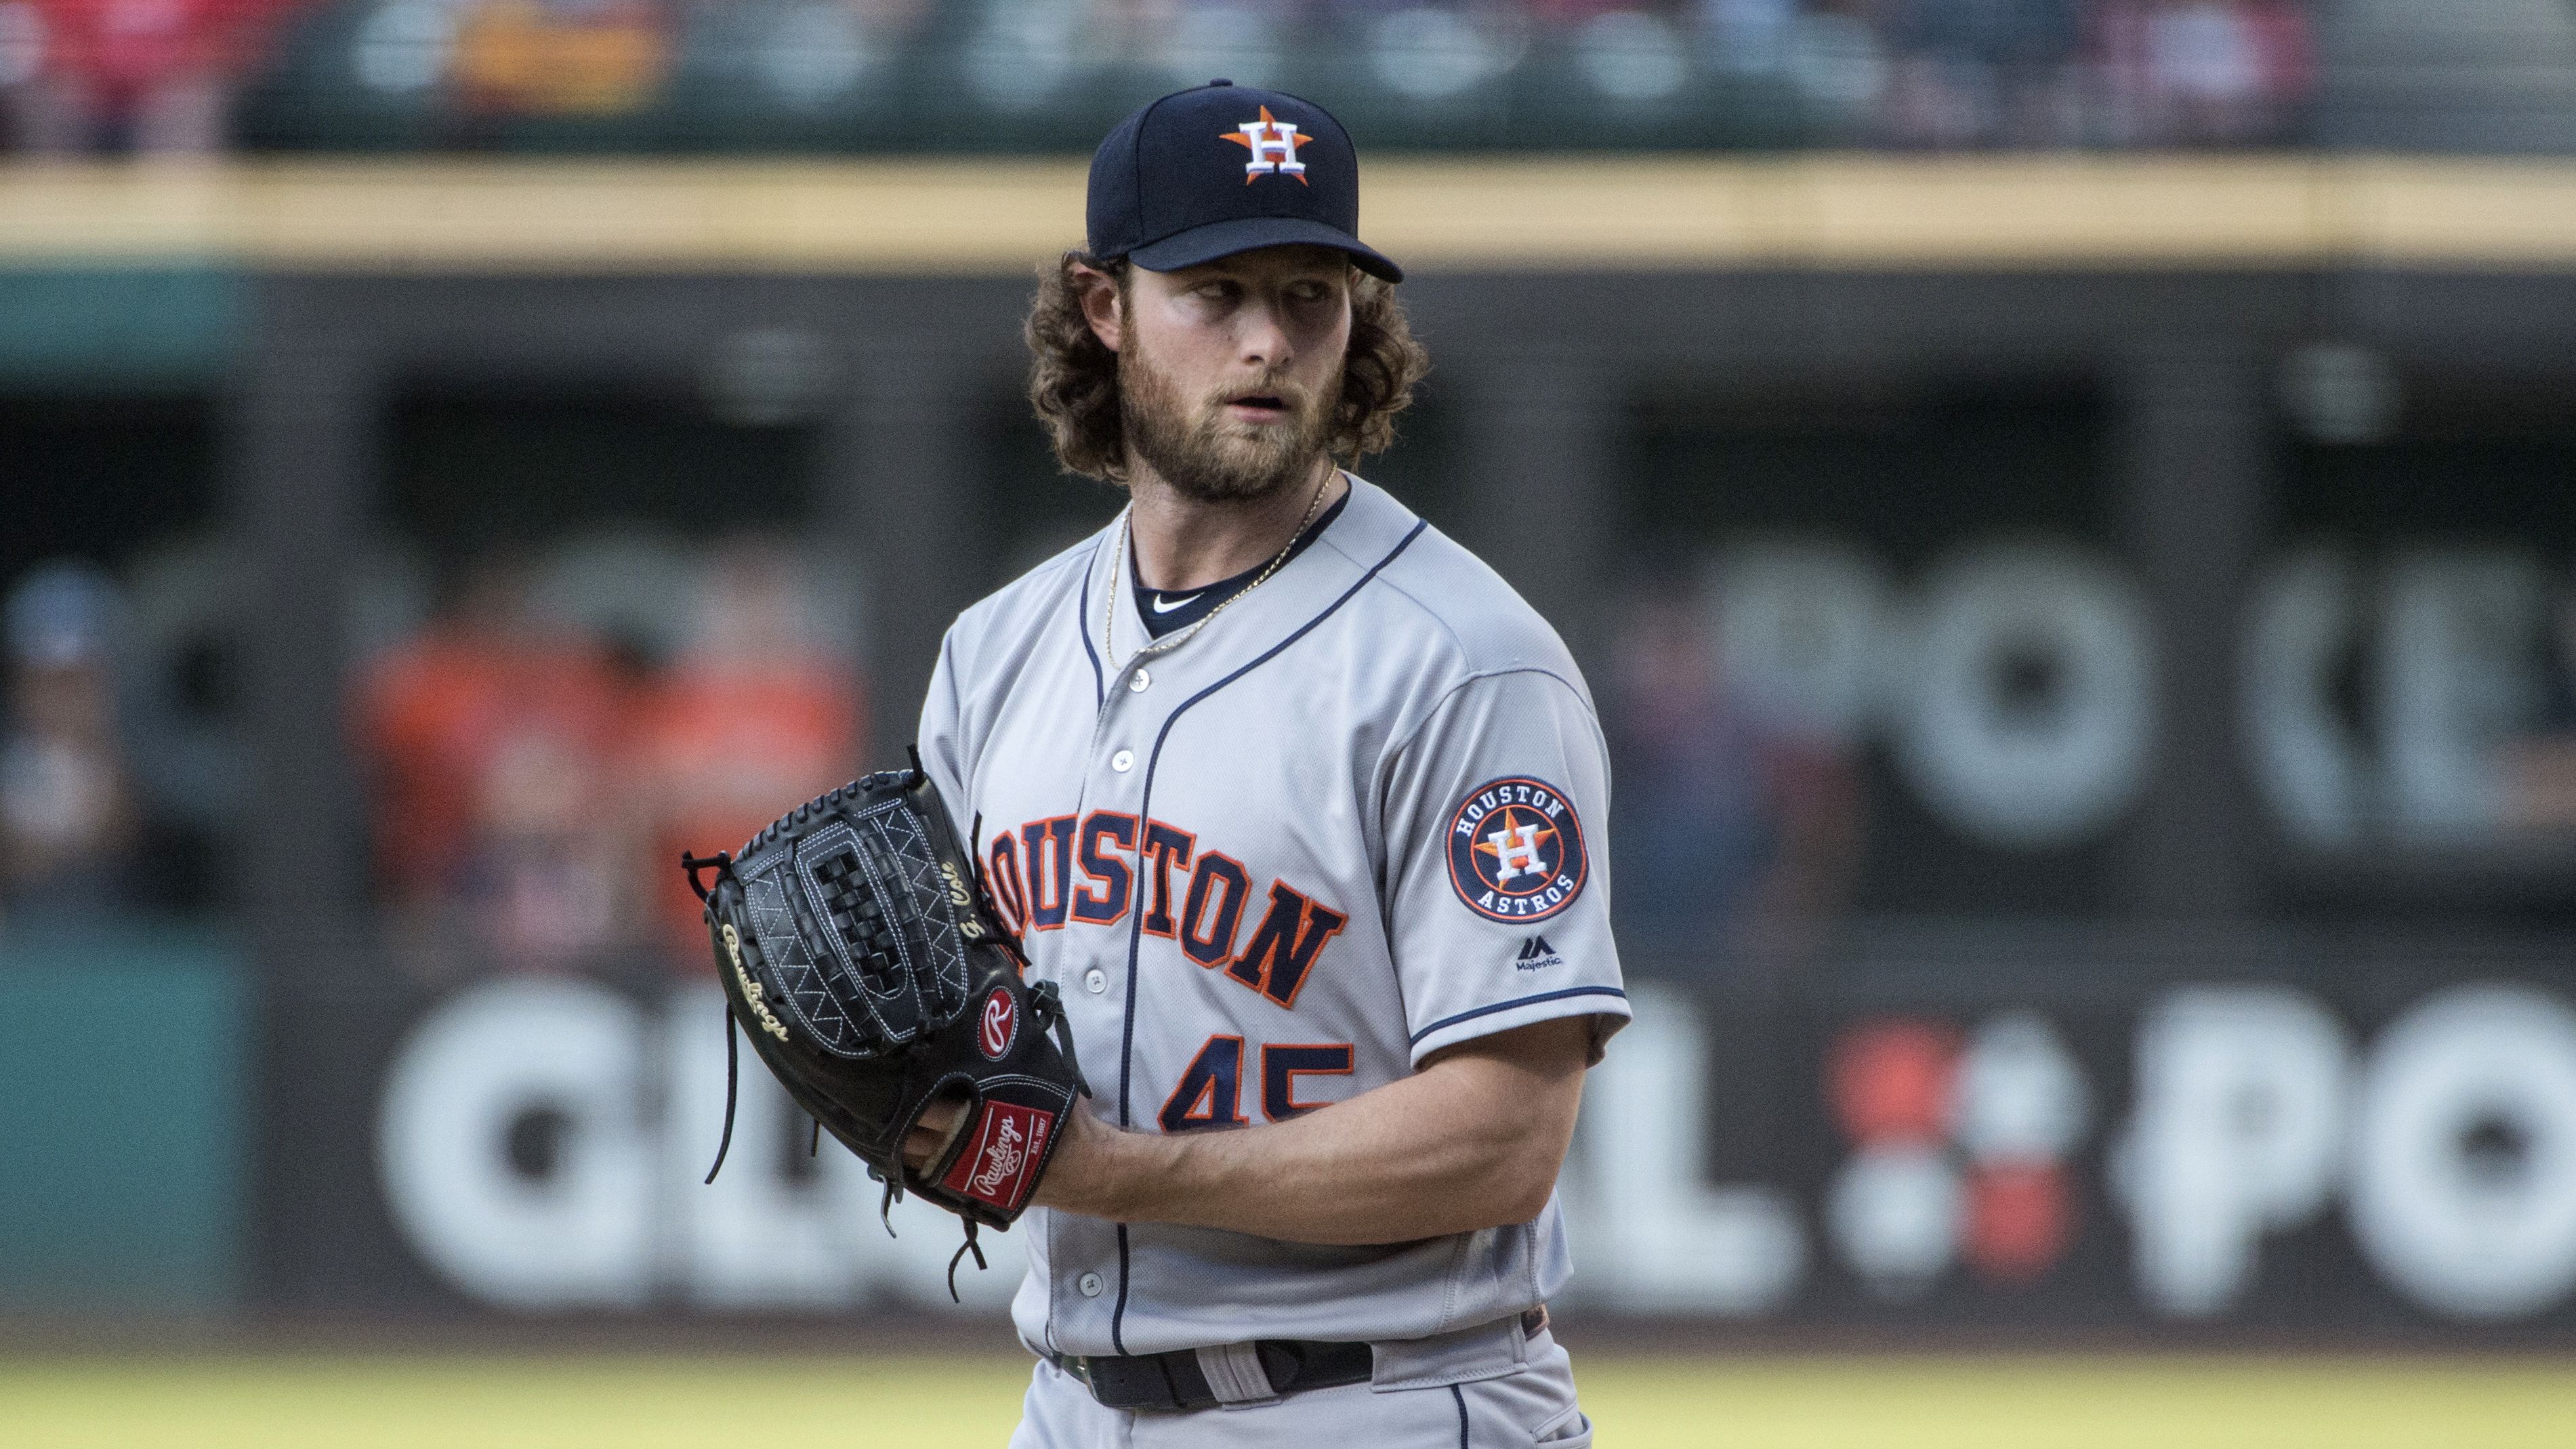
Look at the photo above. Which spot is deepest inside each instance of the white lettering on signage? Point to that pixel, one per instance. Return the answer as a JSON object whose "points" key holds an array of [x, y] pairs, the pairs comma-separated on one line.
{"points": [[1653, 1234], [619, 1219], [2238, 1134], [2464, 1166], [2251, 1116], [2254, 1113]]}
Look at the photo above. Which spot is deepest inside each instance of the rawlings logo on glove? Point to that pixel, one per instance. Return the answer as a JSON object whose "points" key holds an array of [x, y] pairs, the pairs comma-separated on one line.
{"points": [[1002, 1152]]}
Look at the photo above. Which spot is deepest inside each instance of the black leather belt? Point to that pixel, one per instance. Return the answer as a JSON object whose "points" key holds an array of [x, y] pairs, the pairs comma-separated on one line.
{"points": [[1175, 1380]]}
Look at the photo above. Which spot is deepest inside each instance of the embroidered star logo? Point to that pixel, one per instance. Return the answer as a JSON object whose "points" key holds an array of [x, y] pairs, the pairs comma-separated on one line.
{"points": [[1273, 144]]}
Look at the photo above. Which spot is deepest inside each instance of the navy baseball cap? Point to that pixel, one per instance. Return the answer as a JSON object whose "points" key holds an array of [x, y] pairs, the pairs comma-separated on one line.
{"points": [[1207, 173]]}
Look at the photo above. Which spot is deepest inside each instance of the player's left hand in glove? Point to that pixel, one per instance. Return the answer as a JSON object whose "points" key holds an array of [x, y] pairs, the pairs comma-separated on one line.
{"points": [[860, 954]]}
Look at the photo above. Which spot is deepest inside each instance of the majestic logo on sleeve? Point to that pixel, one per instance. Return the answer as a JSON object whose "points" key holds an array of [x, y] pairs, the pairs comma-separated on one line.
{"points": [[1516, 850], [1273, 144], [1536, 955]]}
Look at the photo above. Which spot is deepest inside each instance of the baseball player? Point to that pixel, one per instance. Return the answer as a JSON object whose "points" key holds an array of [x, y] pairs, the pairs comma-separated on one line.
{"points": [[1300, 809]]}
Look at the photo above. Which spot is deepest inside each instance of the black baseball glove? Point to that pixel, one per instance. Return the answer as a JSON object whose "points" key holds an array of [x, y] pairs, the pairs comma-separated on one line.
{"points": [[860, 953]]}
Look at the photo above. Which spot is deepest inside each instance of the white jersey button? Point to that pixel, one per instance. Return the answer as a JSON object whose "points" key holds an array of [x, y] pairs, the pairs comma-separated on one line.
{"points": [[1095, 981], [1137, 684], [1123, 761], [1090, 1285]]}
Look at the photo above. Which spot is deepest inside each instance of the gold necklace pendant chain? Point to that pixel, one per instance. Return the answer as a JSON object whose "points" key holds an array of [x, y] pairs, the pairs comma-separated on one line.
{"points": [[1118, 570]]}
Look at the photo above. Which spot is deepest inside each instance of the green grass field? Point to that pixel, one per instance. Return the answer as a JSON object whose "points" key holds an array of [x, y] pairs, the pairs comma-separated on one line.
{"points": [[643, 1401]]}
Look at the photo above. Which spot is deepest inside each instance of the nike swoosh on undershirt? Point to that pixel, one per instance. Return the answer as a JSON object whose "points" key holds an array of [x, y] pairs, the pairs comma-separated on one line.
{"points": [[1163, 608]]}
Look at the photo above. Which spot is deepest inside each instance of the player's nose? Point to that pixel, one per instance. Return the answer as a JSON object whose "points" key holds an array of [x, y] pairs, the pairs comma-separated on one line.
{"points": [[1262, 333]]}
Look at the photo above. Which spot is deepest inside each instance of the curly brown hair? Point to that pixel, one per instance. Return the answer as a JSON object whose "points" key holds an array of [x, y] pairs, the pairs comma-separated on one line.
{"points": [[1073, 377]]}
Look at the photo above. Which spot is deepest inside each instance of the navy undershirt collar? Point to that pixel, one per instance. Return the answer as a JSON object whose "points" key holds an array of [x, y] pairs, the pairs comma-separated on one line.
{"points": [[1165, 610]]}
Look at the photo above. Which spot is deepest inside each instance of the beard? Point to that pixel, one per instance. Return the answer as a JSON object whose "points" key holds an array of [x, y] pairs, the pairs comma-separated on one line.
{"points": [[1208, 457]]}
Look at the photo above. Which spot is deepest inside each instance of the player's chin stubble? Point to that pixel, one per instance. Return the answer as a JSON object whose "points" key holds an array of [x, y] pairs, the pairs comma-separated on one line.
{"points": [[1207, 457]]}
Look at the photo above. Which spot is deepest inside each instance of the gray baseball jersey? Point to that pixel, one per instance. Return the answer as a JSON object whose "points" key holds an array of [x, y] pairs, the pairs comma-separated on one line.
{"points": [[1356, 819]]}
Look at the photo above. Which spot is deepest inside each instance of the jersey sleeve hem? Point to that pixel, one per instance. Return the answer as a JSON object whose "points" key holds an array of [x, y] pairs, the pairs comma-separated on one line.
{"points": [[1448, 1031]]}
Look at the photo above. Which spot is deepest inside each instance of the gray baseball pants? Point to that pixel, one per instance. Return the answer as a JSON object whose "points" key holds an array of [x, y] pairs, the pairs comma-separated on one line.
{"points": [[1532, 1406]]}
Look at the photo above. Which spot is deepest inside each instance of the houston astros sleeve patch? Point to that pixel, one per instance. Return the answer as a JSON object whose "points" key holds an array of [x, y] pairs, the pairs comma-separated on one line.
{"points": [[1516, 850], [1502, 866]]}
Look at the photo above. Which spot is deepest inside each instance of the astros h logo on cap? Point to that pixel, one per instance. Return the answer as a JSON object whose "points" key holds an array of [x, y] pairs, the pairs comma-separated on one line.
{"points": [[1273, 143], [1172, 186]]}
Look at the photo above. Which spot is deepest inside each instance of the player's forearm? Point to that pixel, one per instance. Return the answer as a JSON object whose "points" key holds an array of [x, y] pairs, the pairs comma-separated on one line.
{"points": [[1472, 1142], [1380, 1168]]}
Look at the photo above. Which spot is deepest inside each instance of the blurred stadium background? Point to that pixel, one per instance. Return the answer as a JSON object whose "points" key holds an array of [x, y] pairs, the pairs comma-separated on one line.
{"points": [[2069, 507]]}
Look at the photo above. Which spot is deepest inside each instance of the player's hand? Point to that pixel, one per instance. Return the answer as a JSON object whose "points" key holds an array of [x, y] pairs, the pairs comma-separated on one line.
{"points": [[939, 1125]]}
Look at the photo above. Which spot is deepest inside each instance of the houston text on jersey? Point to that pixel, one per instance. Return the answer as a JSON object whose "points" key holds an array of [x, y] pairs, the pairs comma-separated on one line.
{"points": [[1085, 870]]}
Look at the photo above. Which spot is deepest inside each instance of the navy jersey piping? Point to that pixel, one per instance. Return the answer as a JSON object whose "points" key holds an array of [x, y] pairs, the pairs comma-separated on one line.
{"points": [[1448, 1021], [1136, 920], [1460, 1395], [1118, 1315], [1081, 612]]}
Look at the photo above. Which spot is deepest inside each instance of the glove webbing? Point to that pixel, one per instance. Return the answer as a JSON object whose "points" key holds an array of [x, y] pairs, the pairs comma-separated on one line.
{"points": [[894, 1184], [1047, 1008]]}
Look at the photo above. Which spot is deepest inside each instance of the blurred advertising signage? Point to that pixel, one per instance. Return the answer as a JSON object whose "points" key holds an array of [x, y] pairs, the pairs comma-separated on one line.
{"points": [[2444, 1149], [2403, 696], [543, 1144], [543, 1141]]}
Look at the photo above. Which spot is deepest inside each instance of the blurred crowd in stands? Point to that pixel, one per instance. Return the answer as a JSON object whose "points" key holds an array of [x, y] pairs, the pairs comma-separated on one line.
{"points": [[536, 778], [541, 736], [531, 775], [70, 814], [115, 792], [536, 754], [187, 76], [538, 735], [151, 76], [1738, 819]]}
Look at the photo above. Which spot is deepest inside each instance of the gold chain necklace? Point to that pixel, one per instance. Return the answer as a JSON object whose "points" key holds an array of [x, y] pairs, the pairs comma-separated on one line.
{"points": [[1118, 570]]}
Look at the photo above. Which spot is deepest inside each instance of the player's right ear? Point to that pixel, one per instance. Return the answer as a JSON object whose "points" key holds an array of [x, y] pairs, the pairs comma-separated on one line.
{"points": [[1102, 306]]}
